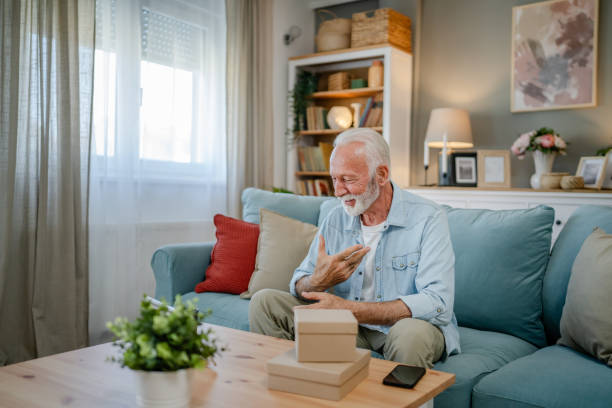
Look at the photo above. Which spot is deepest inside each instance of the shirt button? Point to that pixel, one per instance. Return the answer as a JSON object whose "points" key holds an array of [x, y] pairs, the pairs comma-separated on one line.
{"points": [[439, 310], [411, 263], [401, 265], [361, 273], [356, 298], [378, 268]]}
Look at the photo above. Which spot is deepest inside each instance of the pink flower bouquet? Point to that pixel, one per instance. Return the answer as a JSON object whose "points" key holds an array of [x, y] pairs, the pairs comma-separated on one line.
{"points": [[543, 139]]}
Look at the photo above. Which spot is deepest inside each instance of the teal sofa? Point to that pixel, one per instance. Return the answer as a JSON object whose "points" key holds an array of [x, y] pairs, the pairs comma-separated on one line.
{"points": [[509, 295]]}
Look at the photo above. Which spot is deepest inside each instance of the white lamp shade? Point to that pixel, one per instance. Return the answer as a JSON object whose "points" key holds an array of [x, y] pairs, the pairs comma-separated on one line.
{"points": [[455, 123]]}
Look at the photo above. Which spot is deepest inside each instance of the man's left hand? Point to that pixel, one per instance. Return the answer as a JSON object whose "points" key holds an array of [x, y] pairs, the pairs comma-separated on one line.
{"points": [[325, 301]]}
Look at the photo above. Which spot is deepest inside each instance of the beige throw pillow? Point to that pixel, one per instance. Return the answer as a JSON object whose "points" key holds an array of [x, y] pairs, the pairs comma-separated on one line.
{"points": [[283, 244], [586, 322]]}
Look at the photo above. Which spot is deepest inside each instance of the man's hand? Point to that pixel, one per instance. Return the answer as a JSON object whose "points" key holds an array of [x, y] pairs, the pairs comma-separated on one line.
{"points": [[333, 269], [325, 301]]}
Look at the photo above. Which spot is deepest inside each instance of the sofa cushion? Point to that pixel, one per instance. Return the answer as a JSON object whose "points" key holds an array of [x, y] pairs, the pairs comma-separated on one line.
{"points": [[303, 208], [586, 324], [283, 244], [554, 376], [233, 258], [227, 310], [482, 352], [501, 257], [570, 240]]}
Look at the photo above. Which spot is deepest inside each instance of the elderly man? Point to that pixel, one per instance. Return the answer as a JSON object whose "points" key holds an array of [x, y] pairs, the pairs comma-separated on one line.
{"points": [[386, 255]]}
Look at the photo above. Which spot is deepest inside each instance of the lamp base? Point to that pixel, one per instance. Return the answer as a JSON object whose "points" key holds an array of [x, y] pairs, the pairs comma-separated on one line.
{"points": [[444, 179]]}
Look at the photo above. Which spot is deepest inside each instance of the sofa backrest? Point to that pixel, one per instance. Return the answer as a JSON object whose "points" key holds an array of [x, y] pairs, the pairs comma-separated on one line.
{"points": [[500, 260], [579, 226], [302, 208]]}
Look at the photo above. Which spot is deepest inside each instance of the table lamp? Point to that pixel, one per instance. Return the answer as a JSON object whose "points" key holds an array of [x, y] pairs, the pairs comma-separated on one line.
{"points": [[448, 128]]}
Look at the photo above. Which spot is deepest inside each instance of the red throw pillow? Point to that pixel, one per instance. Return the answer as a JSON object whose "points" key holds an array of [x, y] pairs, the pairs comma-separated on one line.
{"points": [[233, 257]]}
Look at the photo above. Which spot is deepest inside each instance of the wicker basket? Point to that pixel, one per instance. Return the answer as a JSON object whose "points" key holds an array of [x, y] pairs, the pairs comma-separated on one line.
{"points": [[379, 27], [338, 81], [333, 34]]}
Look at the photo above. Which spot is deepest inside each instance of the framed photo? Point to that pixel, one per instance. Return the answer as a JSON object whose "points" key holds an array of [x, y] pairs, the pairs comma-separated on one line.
{"points": [[463, 169], [593, 170], [493, 168], [554, 55], [607, 182]]}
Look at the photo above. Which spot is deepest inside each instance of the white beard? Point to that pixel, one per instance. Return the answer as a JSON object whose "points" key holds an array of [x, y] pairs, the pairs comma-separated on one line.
{"points": [[362, 201]]}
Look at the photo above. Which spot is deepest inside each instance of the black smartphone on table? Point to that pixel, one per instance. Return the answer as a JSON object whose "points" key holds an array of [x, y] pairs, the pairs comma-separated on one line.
{"points": [[404, 376]]}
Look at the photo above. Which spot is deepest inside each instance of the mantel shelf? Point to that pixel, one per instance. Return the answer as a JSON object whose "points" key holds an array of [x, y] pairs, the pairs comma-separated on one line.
{"points": [[348, 93]]}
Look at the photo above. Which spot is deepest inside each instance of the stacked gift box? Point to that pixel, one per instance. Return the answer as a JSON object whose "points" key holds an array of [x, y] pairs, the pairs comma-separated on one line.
{"points": [[325, 362]]}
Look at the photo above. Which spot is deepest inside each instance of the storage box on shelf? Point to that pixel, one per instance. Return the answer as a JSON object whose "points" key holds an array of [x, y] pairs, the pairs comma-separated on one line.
{"points": [[385, 109]]}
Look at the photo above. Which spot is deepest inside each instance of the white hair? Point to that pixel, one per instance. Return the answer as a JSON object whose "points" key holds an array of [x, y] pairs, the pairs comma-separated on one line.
{"points": [[375, 147]]}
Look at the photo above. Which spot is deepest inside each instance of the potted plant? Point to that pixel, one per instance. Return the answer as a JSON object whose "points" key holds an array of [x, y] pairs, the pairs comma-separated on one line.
{"points": [[163, 346], [299, 99], [545, 144]]}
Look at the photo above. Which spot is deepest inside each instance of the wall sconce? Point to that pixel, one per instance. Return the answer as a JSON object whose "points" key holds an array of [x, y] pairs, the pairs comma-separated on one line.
{"points": [[293, 33]]}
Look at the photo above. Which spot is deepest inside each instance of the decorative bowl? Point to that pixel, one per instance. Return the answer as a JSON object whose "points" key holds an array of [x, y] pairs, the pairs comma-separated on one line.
{"points": [[551, 181], [572, 182]]}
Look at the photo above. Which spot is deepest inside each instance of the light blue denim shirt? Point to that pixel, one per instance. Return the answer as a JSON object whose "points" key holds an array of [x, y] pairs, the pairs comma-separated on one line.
{"points": [[414, 261]]}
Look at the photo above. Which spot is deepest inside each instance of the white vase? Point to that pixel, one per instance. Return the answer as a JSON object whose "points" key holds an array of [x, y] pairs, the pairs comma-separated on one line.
{"points": [[543, 164], [164, 388]]}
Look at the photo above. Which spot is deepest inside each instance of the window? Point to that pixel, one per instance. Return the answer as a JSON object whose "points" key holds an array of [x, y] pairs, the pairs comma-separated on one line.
{"points": [[154, 96]]}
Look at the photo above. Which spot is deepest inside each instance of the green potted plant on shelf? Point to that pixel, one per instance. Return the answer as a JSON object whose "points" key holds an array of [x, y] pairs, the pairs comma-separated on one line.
{"points": [[299, 99], [163, 346]]}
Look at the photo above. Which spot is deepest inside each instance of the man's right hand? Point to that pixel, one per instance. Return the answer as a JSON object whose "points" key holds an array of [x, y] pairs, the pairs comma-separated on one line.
{"points": [[333, 269]]}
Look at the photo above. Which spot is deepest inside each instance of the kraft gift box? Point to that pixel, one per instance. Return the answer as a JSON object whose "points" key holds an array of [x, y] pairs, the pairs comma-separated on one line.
{"points": [[325, 335], [330, 381]]}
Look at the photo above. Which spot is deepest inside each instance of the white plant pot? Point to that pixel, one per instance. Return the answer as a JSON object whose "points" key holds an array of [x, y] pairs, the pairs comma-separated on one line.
{"points": [[543, 164], [164, 388]]}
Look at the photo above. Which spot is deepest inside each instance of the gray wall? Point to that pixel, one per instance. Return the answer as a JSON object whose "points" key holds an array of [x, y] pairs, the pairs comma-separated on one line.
{"points": [[464, 61]]}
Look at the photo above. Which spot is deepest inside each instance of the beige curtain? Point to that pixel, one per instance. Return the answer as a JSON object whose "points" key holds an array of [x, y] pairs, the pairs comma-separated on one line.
{"points": [[45, 105], [249, 98]]}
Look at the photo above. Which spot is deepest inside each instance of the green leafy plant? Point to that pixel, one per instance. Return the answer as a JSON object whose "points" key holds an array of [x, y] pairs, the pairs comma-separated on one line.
{"points": [[161, 339], [604, 151], [299, 98]]}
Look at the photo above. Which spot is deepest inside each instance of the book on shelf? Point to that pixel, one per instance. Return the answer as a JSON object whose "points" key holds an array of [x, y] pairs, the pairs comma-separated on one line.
{"points": [[316, 118], [366, 111], [314, 187], [310, 158], [326, 151], [375, 115], [322, 187]]}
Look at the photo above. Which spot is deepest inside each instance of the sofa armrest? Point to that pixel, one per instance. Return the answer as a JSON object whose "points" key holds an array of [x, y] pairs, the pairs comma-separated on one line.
{"points": [[179, 267]]}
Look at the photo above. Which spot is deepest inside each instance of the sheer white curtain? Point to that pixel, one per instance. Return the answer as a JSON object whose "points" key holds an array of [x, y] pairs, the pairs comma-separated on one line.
{"points": [[158, 161]]}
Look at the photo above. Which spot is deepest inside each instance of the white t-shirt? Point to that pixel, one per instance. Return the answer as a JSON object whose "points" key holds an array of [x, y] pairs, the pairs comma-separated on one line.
{"points": [[371, 238]]}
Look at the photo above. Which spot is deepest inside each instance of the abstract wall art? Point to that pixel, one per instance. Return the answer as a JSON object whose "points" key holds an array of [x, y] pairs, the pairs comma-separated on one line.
{"points": [[554, 55]]}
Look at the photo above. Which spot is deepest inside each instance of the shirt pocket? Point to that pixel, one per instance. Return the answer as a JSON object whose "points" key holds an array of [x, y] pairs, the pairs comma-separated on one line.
{"points": [[402, 262], [404, 271]]}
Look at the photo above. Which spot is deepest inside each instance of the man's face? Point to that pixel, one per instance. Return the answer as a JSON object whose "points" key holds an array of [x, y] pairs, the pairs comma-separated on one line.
{"points": [[351, 177]]}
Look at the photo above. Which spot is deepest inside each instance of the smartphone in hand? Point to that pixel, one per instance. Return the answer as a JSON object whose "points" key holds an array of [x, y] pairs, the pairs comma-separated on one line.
{"points": [[404, 376]]}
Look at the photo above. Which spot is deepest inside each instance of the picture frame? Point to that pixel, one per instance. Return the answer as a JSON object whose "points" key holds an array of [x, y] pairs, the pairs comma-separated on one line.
{"points": [[554, 55], [494, 168], [463, 169], [607, 182], [593, 170]]}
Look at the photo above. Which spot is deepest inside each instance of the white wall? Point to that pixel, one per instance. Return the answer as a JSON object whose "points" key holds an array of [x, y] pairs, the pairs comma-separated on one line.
{"points": [[286, 14]]}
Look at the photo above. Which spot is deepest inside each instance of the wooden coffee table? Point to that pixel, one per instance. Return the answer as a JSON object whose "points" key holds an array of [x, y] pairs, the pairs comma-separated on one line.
{"points": [[82, 378]]}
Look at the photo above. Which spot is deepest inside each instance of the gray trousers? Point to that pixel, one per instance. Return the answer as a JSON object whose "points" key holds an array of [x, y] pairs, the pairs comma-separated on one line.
{"points": [[409, 341]]}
